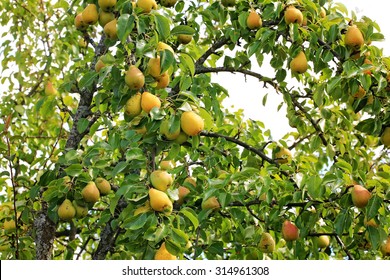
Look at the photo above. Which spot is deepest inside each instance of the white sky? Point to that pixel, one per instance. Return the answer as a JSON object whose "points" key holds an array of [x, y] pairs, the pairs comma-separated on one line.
{"points": [[249, 95]]}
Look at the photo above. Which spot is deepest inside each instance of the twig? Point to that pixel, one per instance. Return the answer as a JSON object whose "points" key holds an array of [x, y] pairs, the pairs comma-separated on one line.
{"points": [[343, 247]]}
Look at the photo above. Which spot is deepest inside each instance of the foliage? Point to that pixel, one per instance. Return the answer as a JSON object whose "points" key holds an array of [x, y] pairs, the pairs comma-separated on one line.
{"points": [[53, 145]]}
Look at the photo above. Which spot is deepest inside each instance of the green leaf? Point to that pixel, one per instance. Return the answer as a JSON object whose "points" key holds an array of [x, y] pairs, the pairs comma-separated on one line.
{"points": [[82, 125], [125, 26], [373, 206], [188, 63], [374, 236], [191, 215], [345, 166], [119, 168], [179, 236], [166, 60], [74, 170], [314, 187], [182, 30], [343, 221], [88, 79], [253, 48], [136, 222], [162, 26]]}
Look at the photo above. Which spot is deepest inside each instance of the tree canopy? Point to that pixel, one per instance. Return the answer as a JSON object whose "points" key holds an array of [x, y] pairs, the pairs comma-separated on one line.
{"points": [[115, 144]]}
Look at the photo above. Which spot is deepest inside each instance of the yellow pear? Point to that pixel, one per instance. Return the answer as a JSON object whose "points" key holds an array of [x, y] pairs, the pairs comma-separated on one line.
{"points": [[182, 138], [360, 93], [160, 202], [149, 101], [90, 14], [168, 3], [267, 243], [50, 89], [360, 196], [161, 180], [282, 155], [184, 39], [354, 37], [162, 46], [83, 43], [154, 67], [103, 185], [191, 123], [81, 211], [166, 165], [99, 65], [143, 209], [299, 63], [107, 5], [164, 130], [163, 254], [79, 23], [293, 15], [110, 29], [90, 192], [290, 232], [190, 180], [105, 17], [182, 193], [163, 80], [323, 241], [322, 12], [134, 78], [147, 5], [254, 21], [385, 137], [211, 203], [133, 105], [9, 225], [66, 211]]}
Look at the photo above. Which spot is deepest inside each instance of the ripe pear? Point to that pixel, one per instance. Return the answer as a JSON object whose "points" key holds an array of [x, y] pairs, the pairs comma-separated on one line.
{"points": [[385, 247], [191, 123], [283, 155], [166, 165], [168, 3], [133, 105], [66, 211], [149, 101], [299, 63], [107, 5], [293, 15], [163, 80], [99, 65], [81, 211], [79, 23], [360, 93], [360, 196], [134, 78], [190, 180], [323, 241], [182, 193], [370, 223], [9, 225], [184, 39], [290, 231], [385, 137], [105, 18], [163, 254], [182, 138], [50, 89], [110, 29], [163, 46], [143, 209], [211, 203], [90, 14], [90, 192], [147, 5], [253, 20], [160, 202], [154, 67], [267, 243], [354, 37], [103, 185], [164, 130], [161, 180]]}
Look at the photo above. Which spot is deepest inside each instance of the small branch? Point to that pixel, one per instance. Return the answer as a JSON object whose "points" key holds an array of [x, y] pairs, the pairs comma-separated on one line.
{"points": [[83, 247], [254, 215], [350, 257], [211, 50], [336, 54]]}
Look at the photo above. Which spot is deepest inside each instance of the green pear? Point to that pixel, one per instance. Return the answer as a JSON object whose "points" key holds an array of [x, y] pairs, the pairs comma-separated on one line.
{"points": [[267, 243], [133, 105], [385, 137], [211, 203], [107, 5], [103, 185], [66, 211], [134, 78], [105, 17], [90, 14], [81, 211], [161, 180], [165, 130], [110, 29], [90, 193]]}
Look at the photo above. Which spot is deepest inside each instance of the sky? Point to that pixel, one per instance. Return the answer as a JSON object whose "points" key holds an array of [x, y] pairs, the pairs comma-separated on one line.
{"points": [[247, 93]]}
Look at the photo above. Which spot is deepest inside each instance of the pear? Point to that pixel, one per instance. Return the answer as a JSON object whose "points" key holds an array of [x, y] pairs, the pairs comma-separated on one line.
{"points": [[166, 165], [182, 193], [149, 101], [161, 46], [90, 14], [107, 5], [50, 89], [190, 180], [267, 243], [184, 39], [90, 192], [133, 105], [353, 37], [110, 29], [191, 123], [99, 65], [165, 130], [154, 67], [9, 225], [360, 196], [81, 211], [322, 12], [161, 180], [83, 43], [103, 185], [299, 63], [323, 241], [147, 5], [253, 20], [385, 137], [105, 17], [290, 231], [134, 78], [370, 223], [168, 3], [79, 23], [182, 138], [211, 203], [293, 15], [163, 80], [66, 211], [360, 93], [160, 202], [163, 254], [385, 247], [143, 209], [282, 155]]}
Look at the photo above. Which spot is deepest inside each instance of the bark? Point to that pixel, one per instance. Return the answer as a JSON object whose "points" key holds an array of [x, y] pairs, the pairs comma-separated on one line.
{"points": [[45, 230]]}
